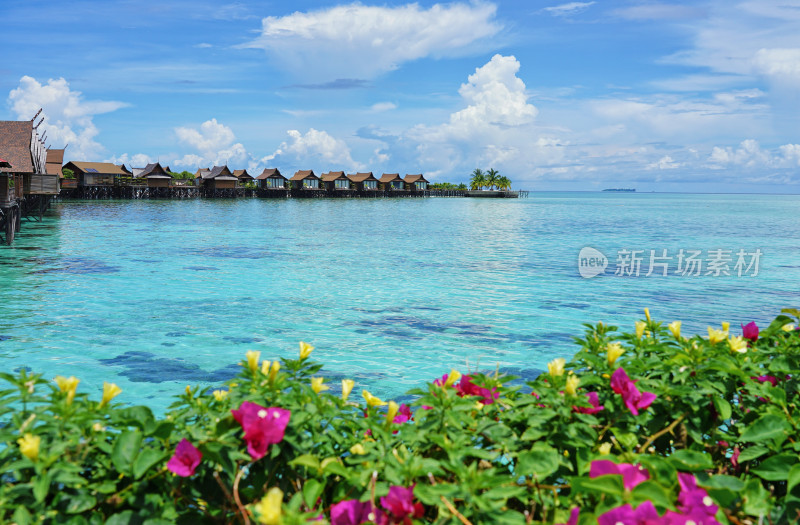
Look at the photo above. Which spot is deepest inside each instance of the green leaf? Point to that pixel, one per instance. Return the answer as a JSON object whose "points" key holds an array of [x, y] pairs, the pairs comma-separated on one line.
{"points": [[765, 428], [41, 486], [721, 481], [306, 460], [793, 479], [312, 490], [776, 468], [126, 447], [123, 518], [756, 499], [146, 459], [22, 516], [537, 463], [722, 407], [611, 484], [753, 452], [692, 460], [654, 492], [79, 503]]}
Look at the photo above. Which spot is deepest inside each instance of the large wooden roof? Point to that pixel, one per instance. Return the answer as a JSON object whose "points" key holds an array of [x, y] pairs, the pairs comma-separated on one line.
{"points": [[333, 175], [270, 173], [411, 179], [361, 177], [102, 168], [304, 174], [55, 158], [15, 144], [242, 174], [154, 171], [390, 177]]}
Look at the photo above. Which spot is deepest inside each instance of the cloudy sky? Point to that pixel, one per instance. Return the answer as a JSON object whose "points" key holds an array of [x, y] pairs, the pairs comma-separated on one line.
{"points": [[690, 96]]}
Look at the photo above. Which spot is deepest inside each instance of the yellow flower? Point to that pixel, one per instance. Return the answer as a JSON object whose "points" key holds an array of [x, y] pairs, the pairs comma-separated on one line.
{"points": [[188, 390], [675, 328], [715, 336], [29, 446], [358, 449], [97, 427], [273, 373], [269, 508], [788, 327], [372, 400], [640, 326], [347, 387], [726, 326], [391, 411], [110, 391], [556, 367], [252, 360], [572, 384], [219, 395], [317, 386], [647, 314], [305, 350], [738, 344], [604, 449], [454, 376], [68, 385], [614, 350]]}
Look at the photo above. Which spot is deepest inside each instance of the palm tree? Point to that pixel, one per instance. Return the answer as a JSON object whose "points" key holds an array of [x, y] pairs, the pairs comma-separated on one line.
{"points": [[478, 180], [492, 177], [503, 183]]}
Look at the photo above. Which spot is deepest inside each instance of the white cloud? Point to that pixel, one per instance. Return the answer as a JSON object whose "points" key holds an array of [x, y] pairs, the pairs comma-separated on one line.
{"points": [[383, 106], [359, 41], [659, 12], [315, 148], [139, 160], [569, 9], [214, 143], [68, 117], [203, 45], [750, 155], [779, 63], [664, 163]]}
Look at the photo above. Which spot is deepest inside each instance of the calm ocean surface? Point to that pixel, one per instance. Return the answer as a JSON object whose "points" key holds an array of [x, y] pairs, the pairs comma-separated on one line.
{"points": [[155, 295]]}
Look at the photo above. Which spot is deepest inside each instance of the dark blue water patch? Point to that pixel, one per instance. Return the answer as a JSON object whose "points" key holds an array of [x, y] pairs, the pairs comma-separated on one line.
{"points": [[27, 248], [431, 308], [145, 367], [548, 307], [19, 369], [390, 310], [167, 344], [201, 268], [79, 266], [146, 260], [575, 306], [242, 340], [522, 374], [5, 337], [233, 252], [175, 334]]}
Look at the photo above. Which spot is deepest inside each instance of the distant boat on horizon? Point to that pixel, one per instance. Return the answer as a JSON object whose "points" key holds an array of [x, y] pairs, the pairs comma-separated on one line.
{"points": [[630, 190]]}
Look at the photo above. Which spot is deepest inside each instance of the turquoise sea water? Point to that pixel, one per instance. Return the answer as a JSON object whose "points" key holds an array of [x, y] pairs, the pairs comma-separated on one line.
{"points": [[155, 295]]}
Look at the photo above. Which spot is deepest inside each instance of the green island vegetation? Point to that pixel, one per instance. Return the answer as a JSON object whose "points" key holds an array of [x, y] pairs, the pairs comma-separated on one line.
{"points": [[187, 175], [647, 426], [490, 179], [447, 186]]}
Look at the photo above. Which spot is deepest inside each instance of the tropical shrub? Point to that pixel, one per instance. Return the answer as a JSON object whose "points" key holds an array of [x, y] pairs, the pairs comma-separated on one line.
{"points": [[646, 426]]}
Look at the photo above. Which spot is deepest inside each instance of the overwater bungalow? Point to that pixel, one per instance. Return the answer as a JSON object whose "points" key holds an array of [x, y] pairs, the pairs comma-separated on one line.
{"points": [[243, 176], [154, 175], [335, 181], [23, 149], [271, 179], [391, 182], [218, 178], [97, 173], [415, 182], [363, 181], [304, 180], [55, 159]]}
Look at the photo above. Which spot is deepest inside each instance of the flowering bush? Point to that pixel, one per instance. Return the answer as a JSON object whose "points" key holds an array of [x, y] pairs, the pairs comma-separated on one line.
{"points": [[640, 427]]}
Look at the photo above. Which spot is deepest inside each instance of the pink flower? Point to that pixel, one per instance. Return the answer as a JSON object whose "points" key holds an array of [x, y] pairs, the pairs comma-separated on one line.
{"points": [[594, 401], [352, 512], [574, 514], [632, 475], [467, 388], [185, 460], [262, 426], [643, 515], [403, 415], [735, 457], [400, 506], [766, 379], [634, 400], [693, 501], [750, 331]]}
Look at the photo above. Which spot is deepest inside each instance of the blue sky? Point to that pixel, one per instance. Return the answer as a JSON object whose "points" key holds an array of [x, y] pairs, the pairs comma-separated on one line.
{"points": [[682, 96]]}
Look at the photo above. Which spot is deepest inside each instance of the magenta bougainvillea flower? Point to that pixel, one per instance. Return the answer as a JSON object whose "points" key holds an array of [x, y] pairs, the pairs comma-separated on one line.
{"points": [[644, 514], [632, 475], [594, 401], [574, 514], [262, 426], [466, 387], [353, 512], [185, 460], [750, 331], [634, 400], [403, 414], [399, 505], [766, 379], [694, 502]]}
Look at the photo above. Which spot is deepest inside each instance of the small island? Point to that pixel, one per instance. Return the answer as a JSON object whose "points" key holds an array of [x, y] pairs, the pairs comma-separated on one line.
{"points": [[498, 186], [625, 190]]}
